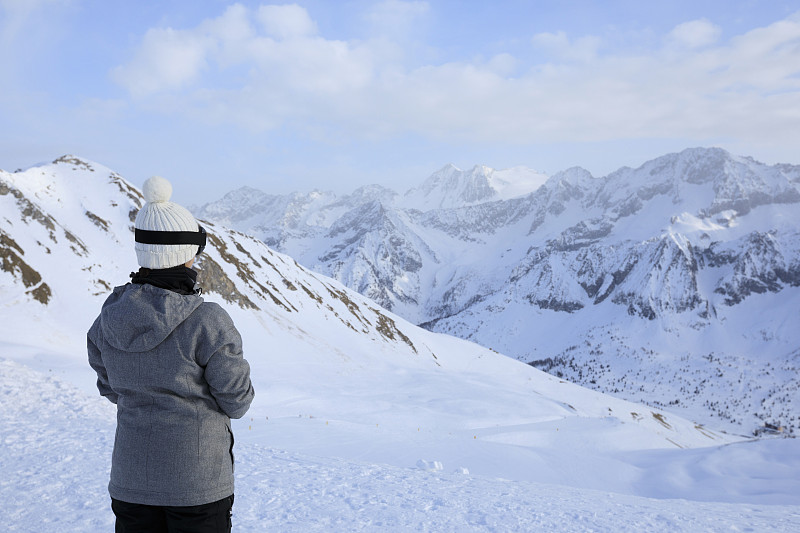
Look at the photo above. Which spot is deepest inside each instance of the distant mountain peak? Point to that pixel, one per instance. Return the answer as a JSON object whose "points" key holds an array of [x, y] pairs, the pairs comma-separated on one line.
{"points": [[451, 187], [675, 245], [69, 159]]}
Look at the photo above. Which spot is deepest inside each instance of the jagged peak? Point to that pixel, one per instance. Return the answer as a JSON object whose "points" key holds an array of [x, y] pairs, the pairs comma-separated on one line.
{"points": [[372, 192], [481, 170], [447, 169], [244, 190], [451, 187], [450, 172], [697, 152], [374, 207], [695, 165], [369, 215], [244, 197], [374, 187], [67, 159], [71, 159], [574, 176], [733, 178]]}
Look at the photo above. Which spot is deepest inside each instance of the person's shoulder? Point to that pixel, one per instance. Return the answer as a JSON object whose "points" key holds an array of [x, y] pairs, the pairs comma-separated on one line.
{"points": [[110, 300], [213, 312], [212, 308], [115, 294]]}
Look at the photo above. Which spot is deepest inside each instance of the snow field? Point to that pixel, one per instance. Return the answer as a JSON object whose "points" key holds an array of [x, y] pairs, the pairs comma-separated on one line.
{"points": [[56, 444]]}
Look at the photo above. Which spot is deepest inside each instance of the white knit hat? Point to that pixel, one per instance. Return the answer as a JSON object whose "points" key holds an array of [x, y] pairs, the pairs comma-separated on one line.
{"points": [[159, 214]]}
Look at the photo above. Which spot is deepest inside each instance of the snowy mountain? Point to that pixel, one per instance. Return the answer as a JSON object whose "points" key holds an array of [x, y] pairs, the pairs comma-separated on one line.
{"points": [[671, 283], [66, 234], [361, 420], [451, 187]]}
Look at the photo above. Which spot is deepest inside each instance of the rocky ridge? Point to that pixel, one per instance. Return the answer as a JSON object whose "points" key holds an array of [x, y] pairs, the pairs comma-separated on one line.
{"points": [[691, 247]]}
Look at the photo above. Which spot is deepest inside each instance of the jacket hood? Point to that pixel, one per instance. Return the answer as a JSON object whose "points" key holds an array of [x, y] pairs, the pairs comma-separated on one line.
{"points": [[137, 318]]}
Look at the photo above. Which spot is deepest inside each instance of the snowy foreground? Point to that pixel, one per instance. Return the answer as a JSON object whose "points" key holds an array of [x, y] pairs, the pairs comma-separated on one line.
{"points": [[57, 438]]}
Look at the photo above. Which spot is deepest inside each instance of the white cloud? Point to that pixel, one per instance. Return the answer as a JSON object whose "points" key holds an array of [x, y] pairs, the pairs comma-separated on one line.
{"points": [[285, 57], [233, 26], [558, 44], [16, 14], [694, 34], [286, 22], [748, 87], [396, 13], [503, 64], [168, 59]]}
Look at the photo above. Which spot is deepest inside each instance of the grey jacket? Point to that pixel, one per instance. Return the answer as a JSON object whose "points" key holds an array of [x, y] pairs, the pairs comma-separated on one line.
{"points": [[173, 365]]}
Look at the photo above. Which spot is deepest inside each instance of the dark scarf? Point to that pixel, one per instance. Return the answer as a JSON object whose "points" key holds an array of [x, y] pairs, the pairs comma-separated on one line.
{"points": [[176, 279]]}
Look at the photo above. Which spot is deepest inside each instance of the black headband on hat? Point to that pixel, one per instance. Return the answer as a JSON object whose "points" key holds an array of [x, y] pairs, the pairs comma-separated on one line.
{"points": [[145, 236]]}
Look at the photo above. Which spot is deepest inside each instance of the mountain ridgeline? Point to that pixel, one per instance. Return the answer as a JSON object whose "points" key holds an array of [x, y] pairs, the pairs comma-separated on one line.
{"points": [[314, 345], [68, 225], [676, 283]]}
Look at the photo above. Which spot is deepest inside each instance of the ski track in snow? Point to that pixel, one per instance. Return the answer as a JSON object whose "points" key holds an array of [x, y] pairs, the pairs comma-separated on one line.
{"points": [[55, 453]]}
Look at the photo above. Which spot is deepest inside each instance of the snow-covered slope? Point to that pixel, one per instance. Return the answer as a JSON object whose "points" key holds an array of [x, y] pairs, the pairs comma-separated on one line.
{"points": [[669, 283], [57, 441], [345, 390]]}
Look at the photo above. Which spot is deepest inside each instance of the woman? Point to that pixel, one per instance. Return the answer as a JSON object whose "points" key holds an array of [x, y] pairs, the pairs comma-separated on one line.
{"points": [[173, 365]]}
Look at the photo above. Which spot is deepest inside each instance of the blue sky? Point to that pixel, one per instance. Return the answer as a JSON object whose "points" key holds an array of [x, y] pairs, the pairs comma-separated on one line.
{"points": [[215, 95]]}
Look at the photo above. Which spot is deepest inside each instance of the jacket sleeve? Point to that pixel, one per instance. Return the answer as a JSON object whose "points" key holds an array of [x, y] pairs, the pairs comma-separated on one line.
{"points": [[228, 373], [96, 362]]}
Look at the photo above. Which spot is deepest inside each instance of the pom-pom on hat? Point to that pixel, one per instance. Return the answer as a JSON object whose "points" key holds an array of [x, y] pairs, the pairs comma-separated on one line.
{"points": [[159, 214]]}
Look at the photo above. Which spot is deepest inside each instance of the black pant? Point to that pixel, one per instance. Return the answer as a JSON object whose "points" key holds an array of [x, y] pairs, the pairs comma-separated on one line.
{"points": [[214, 517]]}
